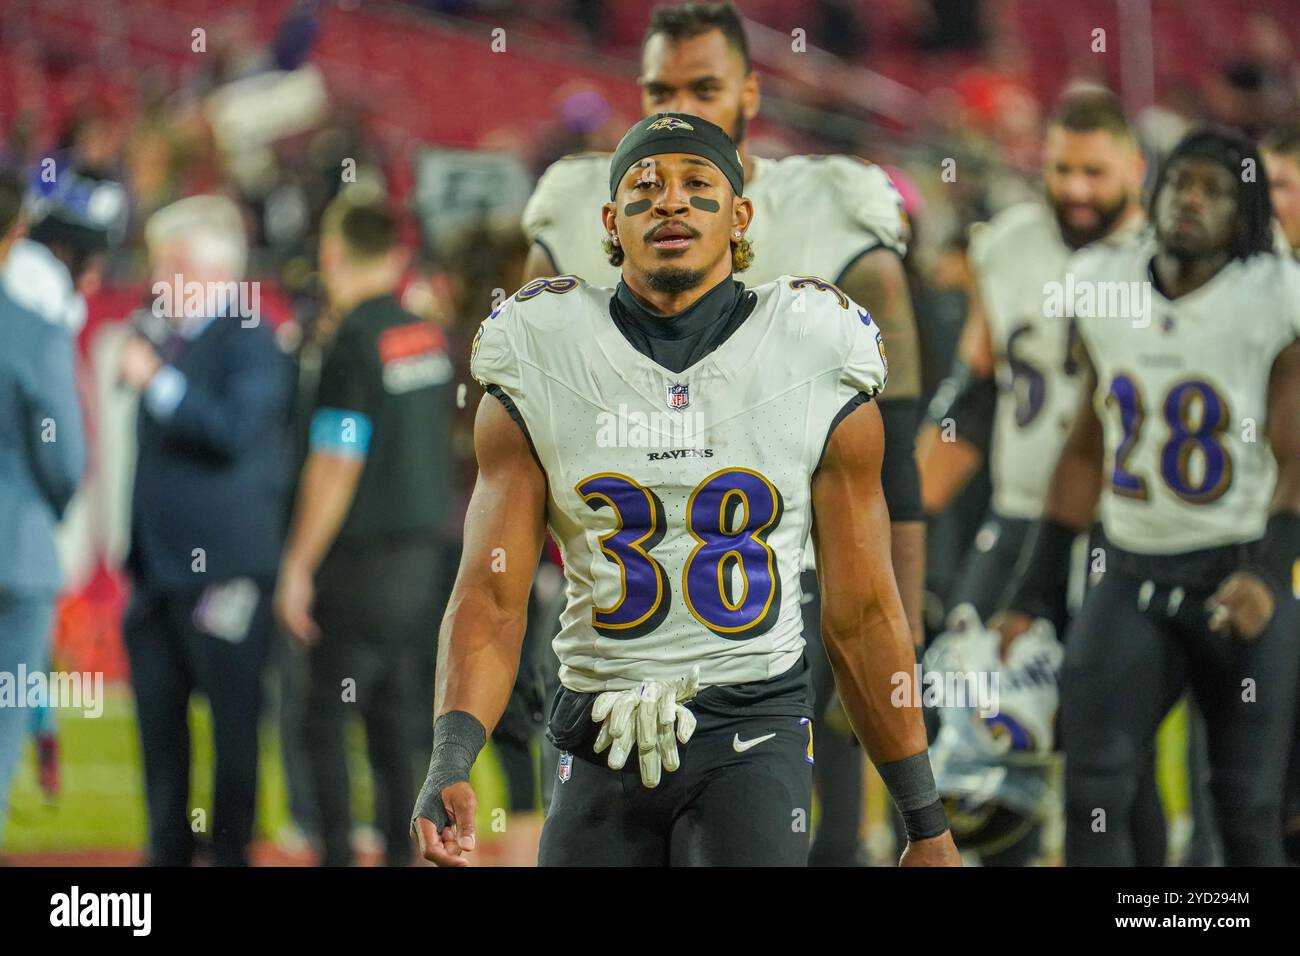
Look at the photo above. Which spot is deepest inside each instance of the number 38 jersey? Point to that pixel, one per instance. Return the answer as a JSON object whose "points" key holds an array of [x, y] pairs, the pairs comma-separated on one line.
{"points": [[680, 501], [1182, 394]]}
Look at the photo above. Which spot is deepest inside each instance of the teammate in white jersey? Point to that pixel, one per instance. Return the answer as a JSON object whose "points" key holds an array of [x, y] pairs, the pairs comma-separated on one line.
{"points": [[1016, 388], [832, 216], [1189, 435], [681, 437]]}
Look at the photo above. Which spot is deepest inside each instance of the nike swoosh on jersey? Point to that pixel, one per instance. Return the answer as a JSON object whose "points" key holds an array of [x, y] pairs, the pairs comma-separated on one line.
{"points": [[740, 746]]}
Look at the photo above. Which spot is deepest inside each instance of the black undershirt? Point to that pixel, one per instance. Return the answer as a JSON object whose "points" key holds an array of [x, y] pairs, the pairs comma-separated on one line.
{"points": [[679, 341]]}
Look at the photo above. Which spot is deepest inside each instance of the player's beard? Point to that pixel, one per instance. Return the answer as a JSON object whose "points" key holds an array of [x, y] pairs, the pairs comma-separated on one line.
{"points": [[740, 127], [1077, 237], [673, 280]]}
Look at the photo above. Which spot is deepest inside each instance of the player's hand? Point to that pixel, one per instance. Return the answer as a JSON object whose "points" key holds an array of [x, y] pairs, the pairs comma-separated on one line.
{"points": [[936, 851], [1010, 625], [295, 592], [1243, 606], [139, 363], [444, 842]]}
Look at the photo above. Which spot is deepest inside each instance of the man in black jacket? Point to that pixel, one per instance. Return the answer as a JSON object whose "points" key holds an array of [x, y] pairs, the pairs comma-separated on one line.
{"points": [[359, 576], [206, 522]]}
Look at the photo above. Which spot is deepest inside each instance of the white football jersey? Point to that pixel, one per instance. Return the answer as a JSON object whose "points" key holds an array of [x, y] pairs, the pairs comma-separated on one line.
{"points": [[680, 501], [1016, 255], [1182, 393], [813, 215]]}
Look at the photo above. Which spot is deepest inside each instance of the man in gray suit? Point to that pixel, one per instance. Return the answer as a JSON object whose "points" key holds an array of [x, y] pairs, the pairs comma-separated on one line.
{"points": [[42, 454]]}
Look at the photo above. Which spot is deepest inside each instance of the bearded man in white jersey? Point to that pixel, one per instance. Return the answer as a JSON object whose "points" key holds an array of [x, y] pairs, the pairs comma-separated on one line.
{"points": [[832, 216], [1188, 434], [681, 437], [1015, 386]]}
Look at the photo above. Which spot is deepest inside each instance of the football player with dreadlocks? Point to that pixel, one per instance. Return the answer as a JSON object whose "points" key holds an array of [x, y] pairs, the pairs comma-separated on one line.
{"points": [[1189, 437]]}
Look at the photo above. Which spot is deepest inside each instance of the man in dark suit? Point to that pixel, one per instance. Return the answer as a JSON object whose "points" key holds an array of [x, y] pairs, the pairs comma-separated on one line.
{"points": [[206, 523], [42, 454]]}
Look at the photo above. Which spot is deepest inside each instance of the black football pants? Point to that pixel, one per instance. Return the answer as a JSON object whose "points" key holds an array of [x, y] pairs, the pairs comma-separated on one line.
{"points": [[377, 616], [723, 807], [1132, 651]]}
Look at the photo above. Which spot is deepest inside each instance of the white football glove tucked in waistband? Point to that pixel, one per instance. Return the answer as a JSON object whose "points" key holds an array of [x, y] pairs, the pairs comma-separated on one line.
{"points": [[651, 717]]}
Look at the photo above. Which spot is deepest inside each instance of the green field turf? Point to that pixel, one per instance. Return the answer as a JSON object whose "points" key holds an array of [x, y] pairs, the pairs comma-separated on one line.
{"points": [[101, 802], [101, 799]]}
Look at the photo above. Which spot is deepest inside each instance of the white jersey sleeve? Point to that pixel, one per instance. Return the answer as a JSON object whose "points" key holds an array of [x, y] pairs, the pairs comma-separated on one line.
{"points": [[494, 360], [870, 201], [866, 368], [816, 215], [563, 216]]}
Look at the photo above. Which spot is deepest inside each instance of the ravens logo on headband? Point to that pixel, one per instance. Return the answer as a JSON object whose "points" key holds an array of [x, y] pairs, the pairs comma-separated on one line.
{"points": [[670, 122]]}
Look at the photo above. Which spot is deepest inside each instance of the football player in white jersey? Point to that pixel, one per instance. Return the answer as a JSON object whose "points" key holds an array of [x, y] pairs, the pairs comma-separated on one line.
{"points": [[681, 437], [1188, 434], [831, 216], [1016, 385]]}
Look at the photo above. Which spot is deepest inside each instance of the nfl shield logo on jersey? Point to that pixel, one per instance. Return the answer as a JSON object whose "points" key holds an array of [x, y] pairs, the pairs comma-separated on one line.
{"points": [[566, 767], [679, 396]]}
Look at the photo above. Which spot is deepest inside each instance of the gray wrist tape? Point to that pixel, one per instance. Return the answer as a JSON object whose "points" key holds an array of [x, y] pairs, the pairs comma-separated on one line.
{"points": [[457, 738], [910, 782]]}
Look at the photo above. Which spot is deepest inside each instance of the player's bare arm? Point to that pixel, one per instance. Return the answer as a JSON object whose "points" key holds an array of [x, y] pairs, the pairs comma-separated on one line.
{"points": [[865, 630], [878, 278], [328, 485], [1244, 604], [537, 264], [483, 629], [948, 461]]}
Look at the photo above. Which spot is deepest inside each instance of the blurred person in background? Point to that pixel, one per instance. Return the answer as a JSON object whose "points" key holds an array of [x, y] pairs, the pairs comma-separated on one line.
{"points": [[75, 215], [1281, 151], [42, 456], [1200, 516], [205, 522], [360, 572], [1015, 383]]}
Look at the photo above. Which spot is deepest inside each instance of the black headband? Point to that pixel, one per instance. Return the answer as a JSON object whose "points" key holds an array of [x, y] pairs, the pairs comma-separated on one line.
{"points": [[677, 133]]}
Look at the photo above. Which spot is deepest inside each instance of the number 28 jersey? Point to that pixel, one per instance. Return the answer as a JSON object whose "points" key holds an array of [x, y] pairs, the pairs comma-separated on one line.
{"points": [[680, 501], [1182, 394]]}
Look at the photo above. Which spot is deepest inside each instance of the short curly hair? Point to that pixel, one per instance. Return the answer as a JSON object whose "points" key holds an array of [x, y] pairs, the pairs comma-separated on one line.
{"points": [[742, 253]]}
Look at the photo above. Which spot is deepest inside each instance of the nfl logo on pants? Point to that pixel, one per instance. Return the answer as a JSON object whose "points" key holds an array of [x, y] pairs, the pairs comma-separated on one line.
{"points": [[679, 396], [566, 767]]}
